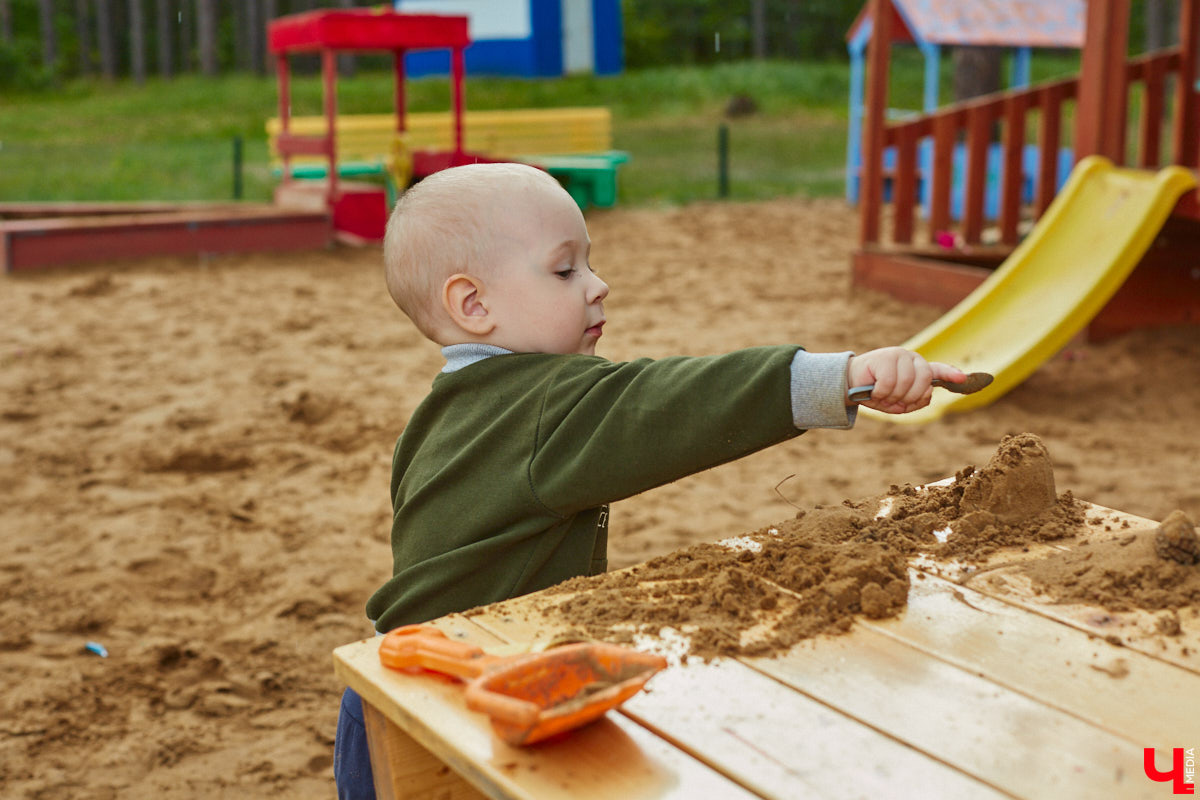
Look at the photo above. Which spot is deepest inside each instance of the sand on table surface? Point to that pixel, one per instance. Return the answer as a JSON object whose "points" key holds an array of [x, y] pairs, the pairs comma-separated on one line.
{"points": [[195, 460]]}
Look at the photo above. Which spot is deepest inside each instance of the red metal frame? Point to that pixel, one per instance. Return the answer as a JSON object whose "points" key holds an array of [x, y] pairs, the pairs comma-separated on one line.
{"points": [[330, 32], [364, 30]]}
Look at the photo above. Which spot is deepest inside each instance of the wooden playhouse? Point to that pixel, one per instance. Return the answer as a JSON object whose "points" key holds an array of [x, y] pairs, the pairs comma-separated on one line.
{"points": [[915, 248]]}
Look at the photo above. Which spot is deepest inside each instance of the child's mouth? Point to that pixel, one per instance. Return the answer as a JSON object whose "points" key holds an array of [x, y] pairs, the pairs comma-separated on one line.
{"points": [[595, 330]]}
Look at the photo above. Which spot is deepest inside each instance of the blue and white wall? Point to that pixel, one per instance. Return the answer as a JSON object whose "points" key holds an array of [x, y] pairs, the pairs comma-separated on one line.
{"points": [[530, 38]]}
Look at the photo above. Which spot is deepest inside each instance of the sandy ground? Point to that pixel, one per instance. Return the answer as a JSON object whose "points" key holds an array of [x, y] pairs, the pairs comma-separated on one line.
{"points": [[195, 465]]}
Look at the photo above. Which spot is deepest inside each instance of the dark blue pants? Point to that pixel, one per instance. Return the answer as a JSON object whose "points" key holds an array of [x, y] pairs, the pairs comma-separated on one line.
{"points": [[351, 759]]}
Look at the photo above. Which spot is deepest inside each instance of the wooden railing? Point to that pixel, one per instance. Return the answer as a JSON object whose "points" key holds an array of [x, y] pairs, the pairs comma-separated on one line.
{"points": [[974, 122]]}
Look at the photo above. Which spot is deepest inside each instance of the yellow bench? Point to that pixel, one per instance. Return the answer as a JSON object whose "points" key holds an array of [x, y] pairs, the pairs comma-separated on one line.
{"points": [[573, 144]]}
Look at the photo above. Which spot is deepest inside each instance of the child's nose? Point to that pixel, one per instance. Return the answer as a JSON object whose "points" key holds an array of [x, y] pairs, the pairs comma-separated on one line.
{"points": [[598, 290]]}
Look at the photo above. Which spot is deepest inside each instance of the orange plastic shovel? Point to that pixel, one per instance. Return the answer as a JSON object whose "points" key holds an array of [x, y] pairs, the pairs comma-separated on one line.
{"points": [[528, 697]]}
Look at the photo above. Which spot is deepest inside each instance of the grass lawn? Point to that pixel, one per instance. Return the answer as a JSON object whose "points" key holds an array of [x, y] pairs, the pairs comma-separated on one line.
{"points": [[174, 140]]}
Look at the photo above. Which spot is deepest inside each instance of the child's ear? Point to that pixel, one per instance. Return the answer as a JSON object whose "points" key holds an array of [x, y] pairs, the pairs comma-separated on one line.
{"points": [[462, 297]]}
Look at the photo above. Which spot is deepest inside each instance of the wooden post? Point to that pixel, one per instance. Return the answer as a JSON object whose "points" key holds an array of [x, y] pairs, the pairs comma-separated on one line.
{"points": [[458, 70], [398, 70], [904, 185], [285, 109], [329, 73], [875, 117], [1013, 173], [941, 169], [1187, 107], [1102, 109], [1049, 142], [1150, 123], [979, 130]]}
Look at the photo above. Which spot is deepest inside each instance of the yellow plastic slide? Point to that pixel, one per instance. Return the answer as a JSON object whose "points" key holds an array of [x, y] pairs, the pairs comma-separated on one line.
{"points": [[1075, 258]]}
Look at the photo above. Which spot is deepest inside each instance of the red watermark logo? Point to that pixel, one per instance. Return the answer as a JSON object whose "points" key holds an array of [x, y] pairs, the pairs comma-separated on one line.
{"points": [[1183, 769]]}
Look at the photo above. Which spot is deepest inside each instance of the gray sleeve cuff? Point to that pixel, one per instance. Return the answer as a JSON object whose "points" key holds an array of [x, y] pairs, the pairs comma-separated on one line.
{"points": [[819, 391]]}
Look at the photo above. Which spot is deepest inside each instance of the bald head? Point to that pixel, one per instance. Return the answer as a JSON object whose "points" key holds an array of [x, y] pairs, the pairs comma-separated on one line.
{"points": [[451, 222]]}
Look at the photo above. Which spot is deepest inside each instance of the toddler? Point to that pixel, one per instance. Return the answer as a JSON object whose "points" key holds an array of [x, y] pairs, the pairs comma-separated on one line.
{"points": [[502, 478]]}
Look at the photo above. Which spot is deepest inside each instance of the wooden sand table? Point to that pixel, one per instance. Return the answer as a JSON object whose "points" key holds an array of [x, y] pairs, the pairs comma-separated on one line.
{"points": [[992, 639]]}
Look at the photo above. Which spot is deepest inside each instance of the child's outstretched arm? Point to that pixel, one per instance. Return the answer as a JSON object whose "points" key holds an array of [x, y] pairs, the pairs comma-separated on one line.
{"points": [[903, 380]]}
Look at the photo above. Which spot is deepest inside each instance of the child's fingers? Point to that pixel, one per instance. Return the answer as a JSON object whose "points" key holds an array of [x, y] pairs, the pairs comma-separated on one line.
{"points": [[900, 408], [911, 388], [947, 372], [921, 388], [904, 381], [902, 378], [884, 376]]}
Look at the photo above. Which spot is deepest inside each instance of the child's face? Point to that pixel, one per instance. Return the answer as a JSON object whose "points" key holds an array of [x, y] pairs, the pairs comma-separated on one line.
{"points": [[545, 297]]}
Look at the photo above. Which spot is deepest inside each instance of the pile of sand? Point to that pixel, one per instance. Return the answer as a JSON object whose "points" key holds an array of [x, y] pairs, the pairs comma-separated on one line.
{"points": [[761, 593], [1119, 574]]}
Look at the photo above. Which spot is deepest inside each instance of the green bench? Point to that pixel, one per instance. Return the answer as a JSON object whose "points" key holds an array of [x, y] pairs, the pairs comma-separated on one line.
{"points": [[590, 179]]}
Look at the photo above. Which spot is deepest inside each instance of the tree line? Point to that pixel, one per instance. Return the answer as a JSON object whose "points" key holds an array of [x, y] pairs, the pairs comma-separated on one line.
{"points": [[45, 41], [659, 32]]}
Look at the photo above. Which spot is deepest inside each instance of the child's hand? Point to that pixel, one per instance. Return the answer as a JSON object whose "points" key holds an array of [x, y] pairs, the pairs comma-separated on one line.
{"points": [[902, 378]]}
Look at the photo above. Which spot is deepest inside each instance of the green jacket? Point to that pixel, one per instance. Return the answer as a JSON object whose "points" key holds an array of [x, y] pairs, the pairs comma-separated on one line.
{"points": [[501, 480]]}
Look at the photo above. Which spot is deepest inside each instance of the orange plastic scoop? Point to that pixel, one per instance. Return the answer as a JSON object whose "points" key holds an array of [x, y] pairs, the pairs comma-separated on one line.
{"points": [[528, 697]]}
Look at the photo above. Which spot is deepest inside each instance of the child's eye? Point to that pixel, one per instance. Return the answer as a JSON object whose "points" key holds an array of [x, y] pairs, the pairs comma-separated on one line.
{"points": [[565, 273]]}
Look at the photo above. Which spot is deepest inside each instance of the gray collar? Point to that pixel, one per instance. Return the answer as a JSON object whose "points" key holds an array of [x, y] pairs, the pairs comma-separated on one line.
{"points": [[464, 355]]}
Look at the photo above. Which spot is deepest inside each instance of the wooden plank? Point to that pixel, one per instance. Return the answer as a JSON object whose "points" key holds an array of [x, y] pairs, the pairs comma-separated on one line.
{"points": [[1002, 579], [944, 134], [1136, 630], [614, 757], [216, 213], [1151, 115], [293, 144], [781, 743], [904, 190], [1160, 291], [32, 244], [1049, 141], [1185, 135], [1101, 111], [1012, 173], [1002, 737], [1189, 207], [1163, 290], [766, 737], [874, 120], [403, 768], [10, 210], [1099, 522], [506, 133], [1127, 693], [916, 280], [979, 124]]}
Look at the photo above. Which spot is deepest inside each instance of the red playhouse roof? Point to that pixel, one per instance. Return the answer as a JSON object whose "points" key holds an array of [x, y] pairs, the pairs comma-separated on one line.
{"points": [[365, 29], [1001, 23]]}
